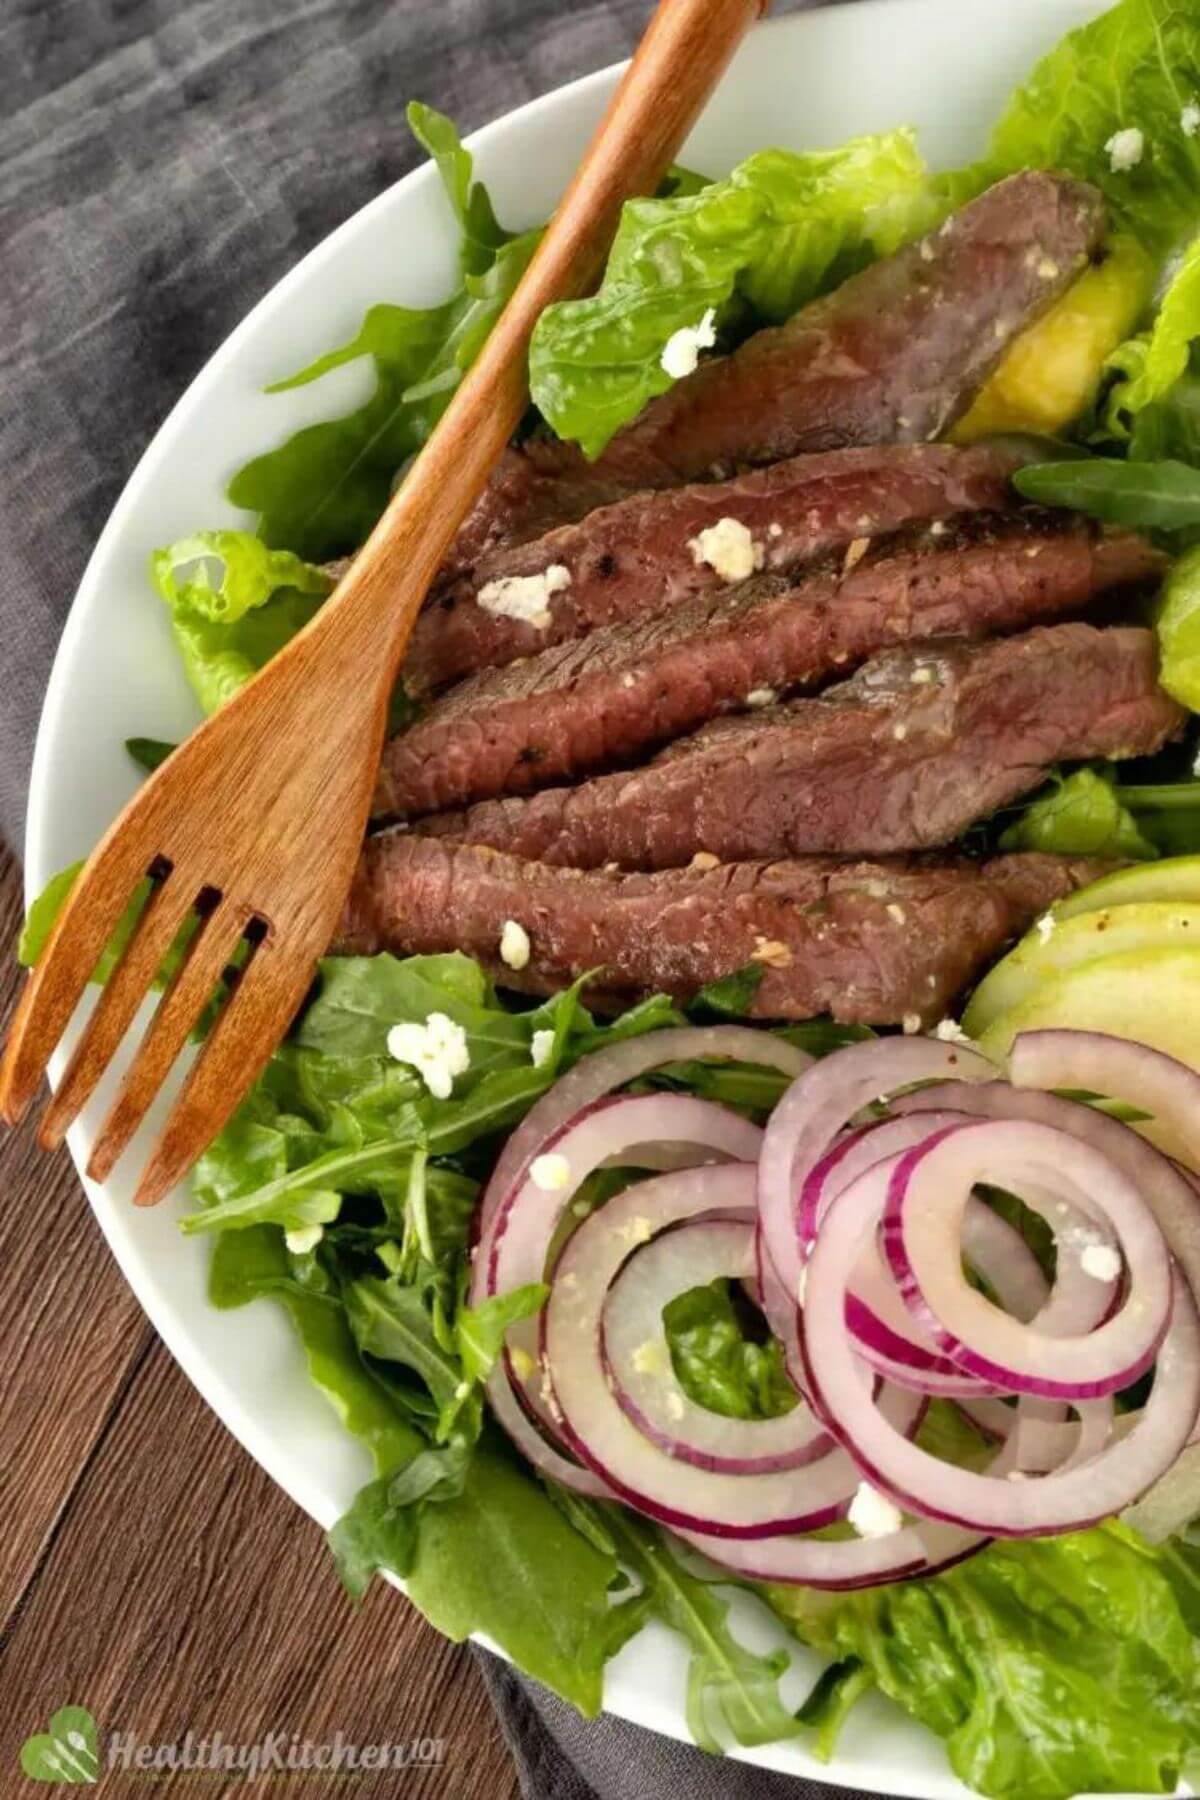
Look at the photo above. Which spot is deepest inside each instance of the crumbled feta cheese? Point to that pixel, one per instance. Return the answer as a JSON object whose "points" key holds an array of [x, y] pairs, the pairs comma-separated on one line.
{"points": [[638, 1231], [1101, 1262], [551, 1172], [303, 1239], [897, 912], [939, 528], [1048, 269], [514, 945], [437, 1050], [1189, 119], [771, 953], [763, 696], [775, 529], [872, 1514], [1126, 149], [922, 675], [911, 1023], [525, 597], [900, 732], [541, 1048], [951, 1032], [629, 679], [675, 1406], [1046, 926], [704, 859], [651, 1358], [681, 352], [729, 548]]}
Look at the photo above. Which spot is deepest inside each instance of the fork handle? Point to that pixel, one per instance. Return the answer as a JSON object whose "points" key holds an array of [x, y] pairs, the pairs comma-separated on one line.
{"points": [[682, 56]]}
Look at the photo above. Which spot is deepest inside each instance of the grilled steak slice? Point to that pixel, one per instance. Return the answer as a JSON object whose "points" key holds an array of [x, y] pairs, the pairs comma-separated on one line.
{"points": [[922, 742], [644, 555], [894, 355], [606, 699], [876, 943]]}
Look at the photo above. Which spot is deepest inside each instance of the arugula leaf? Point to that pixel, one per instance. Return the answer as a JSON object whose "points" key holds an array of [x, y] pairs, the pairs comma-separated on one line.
{"points": [[481, 235], [781, 228], [733, 995], [1151, 496], [380, 1531], [1136, 66], [730, 1689], [1080, 815], [323, 489], [148, 753], [234, 603], [1051, 1667], [717, 1364], [480, 1330], [501, 1558], [390, 1321]]}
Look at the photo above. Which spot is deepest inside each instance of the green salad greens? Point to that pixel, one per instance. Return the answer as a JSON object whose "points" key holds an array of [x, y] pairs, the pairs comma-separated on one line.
{"points": [[344, 1190]]}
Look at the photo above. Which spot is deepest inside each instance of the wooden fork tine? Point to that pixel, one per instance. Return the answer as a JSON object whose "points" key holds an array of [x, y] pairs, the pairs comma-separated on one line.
{"points": [[233, 1055], [177, 1013], [165, 912], [88, 919]]}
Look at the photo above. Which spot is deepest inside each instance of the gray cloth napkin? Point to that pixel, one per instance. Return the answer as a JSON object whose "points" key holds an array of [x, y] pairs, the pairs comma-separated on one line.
{"points": [[161, 165]]}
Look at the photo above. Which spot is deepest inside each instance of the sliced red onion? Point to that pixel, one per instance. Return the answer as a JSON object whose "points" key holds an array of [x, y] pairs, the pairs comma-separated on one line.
{"points": [[931, 1186], [808, 1118], [887, 1336], [593, 1424], [534, 1445], [918, 1549], [638, 1357], [1120, 1069], [1060, 1501], [604, 1071]]}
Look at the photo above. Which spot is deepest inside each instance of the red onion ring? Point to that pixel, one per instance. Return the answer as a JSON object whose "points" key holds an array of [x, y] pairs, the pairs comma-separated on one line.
{"points": [[1056, 1502], [929, 1192], [817, 1106], [638, 1357], [599, 1432], [593, 1077]]}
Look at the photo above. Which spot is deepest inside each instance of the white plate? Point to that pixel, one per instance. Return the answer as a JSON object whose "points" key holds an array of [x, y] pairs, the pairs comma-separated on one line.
{"points": [[945, 66]]}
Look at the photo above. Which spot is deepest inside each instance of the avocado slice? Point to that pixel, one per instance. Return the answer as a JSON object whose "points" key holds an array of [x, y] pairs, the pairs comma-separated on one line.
{"points": [[1174, 879], [1061, 944], [1150, 996]]}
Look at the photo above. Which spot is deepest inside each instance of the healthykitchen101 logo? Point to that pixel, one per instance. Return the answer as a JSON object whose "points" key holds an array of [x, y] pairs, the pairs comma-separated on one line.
{"points": [[69, 1750]]}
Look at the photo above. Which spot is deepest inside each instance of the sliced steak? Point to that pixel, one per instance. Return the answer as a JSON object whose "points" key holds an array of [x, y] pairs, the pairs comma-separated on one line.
{"points": [[874, 943], [608, 698], [644, 554], [894, 355], [924, 741]]}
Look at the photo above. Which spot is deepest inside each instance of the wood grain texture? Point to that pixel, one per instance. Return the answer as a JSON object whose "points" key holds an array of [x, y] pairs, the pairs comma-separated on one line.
{"points": [[149, 1570], [262, 809]]}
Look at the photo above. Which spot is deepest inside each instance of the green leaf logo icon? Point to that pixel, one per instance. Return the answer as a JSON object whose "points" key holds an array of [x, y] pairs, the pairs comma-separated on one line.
{"points": [[67, 1751]]}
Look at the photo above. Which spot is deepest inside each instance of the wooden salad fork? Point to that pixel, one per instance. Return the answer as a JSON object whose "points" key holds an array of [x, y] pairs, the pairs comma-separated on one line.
{"points": [[253, 826]]}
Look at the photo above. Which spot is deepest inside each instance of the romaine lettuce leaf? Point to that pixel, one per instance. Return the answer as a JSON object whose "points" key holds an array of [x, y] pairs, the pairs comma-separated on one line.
{"points": [[321, 491], [1136, 67], [1050, 1667], [784, 226], [234, 603]]}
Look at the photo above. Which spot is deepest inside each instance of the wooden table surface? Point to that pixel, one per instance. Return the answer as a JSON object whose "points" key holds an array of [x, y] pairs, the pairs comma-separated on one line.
{"points": [[149, 1570]]}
